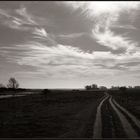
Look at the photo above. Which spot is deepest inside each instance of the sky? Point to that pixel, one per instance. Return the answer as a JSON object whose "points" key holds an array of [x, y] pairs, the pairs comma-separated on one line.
{"points": [[70, 44]]}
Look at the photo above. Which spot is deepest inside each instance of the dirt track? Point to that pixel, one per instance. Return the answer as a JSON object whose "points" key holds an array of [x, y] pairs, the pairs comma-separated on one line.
{"points": [[124, 118]]}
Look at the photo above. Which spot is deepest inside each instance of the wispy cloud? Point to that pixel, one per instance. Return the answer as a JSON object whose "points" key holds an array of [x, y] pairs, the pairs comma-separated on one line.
{"points": [[54, 54], [106, 15], [27, 18], [113, 41], [20, 19], [54, 61], [68, 36], [17, 18], [98, 8], [40, 33]]}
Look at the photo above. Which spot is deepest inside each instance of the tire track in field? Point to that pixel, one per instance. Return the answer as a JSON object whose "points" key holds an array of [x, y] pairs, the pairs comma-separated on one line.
{"points": [[132, 117], [97, 131], [130, 132]]}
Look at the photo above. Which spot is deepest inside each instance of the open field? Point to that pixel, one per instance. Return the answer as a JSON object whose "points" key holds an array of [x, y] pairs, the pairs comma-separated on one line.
{"points": [[118, 120], [130, 99], [57, 114], [71, 114]]}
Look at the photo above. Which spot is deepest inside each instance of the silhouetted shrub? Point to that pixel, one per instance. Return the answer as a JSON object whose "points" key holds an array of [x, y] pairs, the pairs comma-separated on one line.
{"points": [[75, 90], [46, 91], [91, 87], [123, 89]]}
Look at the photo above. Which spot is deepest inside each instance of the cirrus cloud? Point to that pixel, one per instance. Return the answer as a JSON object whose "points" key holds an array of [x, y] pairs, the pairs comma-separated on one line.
{"points": [[106, 15], [89, 42]]}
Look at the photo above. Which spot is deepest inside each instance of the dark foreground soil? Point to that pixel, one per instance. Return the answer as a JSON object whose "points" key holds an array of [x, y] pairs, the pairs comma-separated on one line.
{"points": [[54, 115]]}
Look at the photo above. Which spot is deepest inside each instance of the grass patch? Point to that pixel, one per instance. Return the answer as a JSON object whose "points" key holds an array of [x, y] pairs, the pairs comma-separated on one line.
{"points": [[51, 116]]}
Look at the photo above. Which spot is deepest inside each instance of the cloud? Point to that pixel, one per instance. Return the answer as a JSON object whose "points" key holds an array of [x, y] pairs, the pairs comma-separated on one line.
{"points": [[48, 51], [25, 15], [40, 32], [69, 36], [56, 60], [17, 18], [98, 8], [109, 39], [3, 13], [20, 19], [106, 15]]}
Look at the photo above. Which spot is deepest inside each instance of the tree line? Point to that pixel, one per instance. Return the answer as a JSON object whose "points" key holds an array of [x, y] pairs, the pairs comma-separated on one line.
{"points": [[96, 87]]}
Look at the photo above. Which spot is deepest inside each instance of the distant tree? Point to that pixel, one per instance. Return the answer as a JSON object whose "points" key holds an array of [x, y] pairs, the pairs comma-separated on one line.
{"points": [[114, 87], [94, 86], [102, 87], [123, 88], [13, 83], [130, 87], [88, 87], [137, 87], [46, 91]]}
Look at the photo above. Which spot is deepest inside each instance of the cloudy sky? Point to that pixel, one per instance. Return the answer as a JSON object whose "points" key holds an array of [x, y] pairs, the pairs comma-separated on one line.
{"points": [[70, 44]]}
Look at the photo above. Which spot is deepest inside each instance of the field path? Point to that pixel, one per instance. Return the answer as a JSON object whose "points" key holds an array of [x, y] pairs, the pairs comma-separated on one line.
{"points": [[124, 117], [132, 117], [98, 121], [130, 132]]}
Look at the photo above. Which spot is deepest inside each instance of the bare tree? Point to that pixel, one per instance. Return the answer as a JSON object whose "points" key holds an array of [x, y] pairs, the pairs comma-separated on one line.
{"points": [[13, 83]]}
